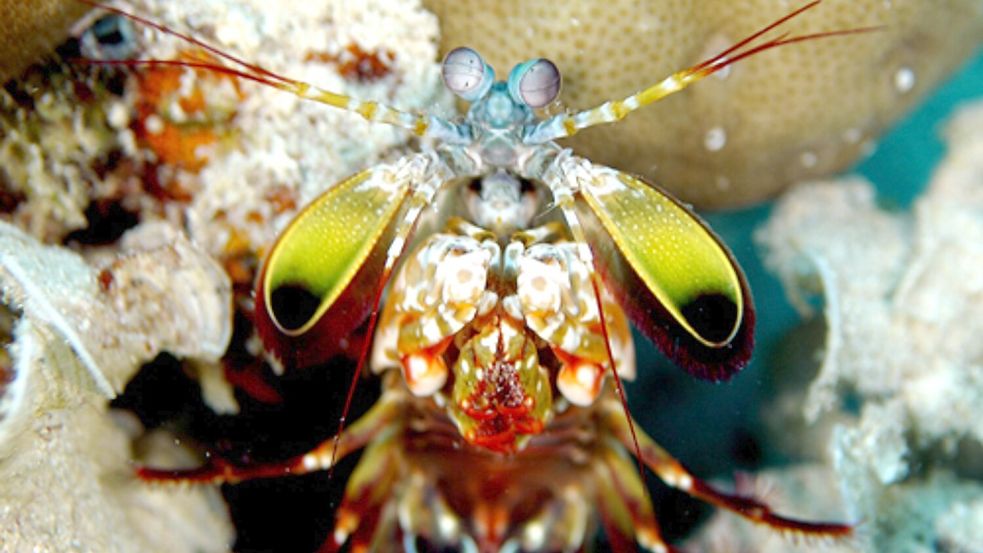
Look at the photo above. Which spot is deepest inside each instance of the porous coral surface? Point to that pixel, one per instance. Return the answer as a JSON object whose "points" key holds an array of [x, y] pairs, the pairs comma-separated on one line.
{"points": [[902, 367]]}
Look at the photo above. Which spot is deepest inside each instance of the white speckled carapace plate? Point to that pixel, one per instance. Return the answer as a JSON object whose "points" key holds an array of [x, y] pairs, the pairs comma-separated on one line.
{"points": [[799, 112]]}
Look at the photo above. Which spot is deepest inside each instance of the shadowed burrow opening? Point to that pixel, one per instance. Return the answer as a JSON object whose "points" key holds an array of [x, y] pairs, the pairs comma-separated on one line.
{"points": [[107, 219], [8, 372], [289, 514]]}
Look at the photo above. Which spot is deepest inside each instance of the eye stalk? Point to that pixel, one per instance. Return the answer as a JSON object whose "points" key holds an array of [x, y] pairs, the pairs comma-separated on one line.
{"points": [[111, 37], [535, 83], [466, 74]]}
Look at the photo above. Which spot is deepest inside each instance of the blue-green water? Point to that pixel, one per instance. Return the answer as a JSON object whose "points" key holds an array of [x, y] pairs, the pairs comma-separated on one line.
{"points": [[900, 168]]}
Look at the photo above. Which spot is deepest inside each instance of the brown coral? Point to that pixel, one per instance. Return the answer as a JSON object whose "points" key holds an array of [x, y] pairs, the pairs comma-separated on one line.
{"points": [[33, 28]]}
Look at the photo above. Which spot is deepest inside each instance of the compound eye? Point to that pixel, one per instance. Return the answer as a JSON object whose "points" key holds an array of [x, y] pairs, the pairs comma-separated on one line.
{"points": [[466, 74], [535, 83], [111, 37]]}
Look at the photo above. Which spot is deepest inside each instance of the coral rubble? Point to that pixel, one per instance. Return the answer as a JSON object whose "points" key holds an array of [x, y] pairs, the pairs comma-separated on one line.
{"points": [[902, 294], [75, 336], [135, 205]]}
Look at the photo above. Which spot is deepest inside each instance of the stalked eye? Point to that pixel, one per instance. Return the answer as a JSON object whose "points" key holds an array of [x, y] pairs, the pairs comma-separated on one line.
{"points": [[466, 74], [110, 38], [535, 83]]}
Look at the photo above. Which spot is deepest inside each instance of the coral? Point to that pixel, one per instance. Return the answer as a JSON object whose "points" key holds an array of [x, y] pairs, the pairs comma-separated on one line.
{"points": [[796, 113], [937, 513], [80, 145], [32, 29], [160, 294], [807, 484], [961, 528], [48, 143], [74, 336], [87, 153], [903, 293], [284, 151]]}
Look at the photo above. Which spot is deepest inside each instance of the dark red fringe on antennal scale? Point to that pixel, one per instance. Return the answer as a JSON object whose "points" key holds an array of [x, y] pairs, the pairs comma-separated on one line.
{"points": [[655, 322], [714, 364], [338, 332]]}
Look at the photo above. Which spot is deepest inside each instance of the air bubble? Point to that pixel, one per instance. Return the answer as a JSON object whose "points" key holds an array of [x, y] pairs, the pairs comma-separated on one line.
{"points": [[904, 79], [808, 159], [715, 139], [852, 135], [714, 46]]}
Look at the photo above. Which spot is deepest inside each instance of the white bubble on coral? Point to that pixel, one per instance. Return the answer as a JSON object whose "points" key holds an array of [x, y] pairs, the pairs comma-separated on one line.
{"points": [[852, 135], [904, 79], [808, 159], [722, 74], [715, 139]]}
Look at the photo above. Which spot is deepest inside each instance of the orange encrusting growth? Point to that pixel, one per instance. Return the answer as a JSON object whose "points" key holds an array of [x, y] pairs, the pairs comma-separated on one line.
{"points": [[182, 143], [356, 64]]}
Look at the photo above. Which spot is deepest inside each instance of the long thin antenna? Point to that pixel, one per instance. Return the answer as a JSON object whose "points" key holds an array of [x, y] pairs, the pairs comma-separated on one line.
{"points": [[618, 384], [418, 124], [564, 125]]}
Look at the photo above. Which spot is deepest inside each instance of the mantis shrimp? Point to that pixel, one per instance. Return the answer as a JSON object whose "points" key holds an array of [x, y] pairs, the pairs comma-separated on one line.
{"points": [[502, 338]]}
